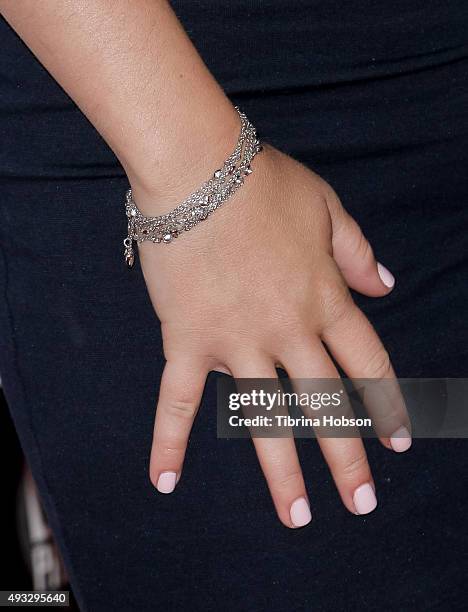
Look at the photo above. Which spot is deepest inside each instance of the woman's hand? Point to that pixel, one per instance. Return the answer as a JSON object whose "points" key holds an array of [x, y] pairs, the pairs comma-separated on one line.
{"points": [[264, 283]]}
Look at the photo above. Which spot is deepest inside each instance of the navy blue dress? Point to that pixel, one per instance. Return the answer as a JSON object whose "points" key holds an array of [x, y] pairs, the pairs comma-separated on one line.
{"points": [[371, 94]]}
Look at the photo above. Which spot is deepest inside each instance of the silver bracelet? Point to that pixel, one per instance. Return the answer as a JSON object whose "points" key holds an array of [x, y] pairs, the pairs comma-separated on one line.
{"points": [[198, 205]]}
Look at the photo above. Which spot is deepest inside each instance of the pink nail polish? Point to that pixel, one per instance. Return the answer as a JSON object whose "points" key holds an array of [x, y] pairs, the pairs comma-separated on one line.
{"points": [[166, 482], [300, 512], [385, 276], [400, 440], [364, 499]]}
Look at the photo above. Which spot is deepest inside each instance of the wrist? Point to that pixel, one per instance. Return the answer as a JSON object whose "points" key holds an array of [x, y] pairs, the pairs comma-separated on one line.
{"points": [[196, 147], [201, 203]]}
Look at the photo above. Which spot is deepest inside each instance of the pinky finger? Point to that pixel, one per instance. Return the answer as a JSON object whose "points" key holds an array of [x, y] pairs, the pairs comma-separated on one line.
{"points": [[180, 394]]}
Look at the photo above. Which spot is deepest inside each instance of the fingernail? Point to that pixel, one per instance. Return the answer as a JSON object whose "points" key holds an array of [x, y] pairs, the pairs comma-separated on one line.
{"points": [[166, 482], [400, 440], [364, 499], [300, 512], [385, 276]]}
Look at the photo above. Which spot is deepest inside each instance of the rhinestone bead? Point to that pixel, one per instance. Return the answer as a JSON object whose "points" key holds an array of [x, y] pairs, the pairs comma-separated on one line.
{"points": [[167, 238]]}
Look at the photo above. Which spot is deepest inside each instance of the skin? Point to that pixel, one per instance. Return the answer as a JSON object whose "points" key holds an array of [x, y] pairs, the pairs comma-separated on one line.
{"points": [[219, 289]]}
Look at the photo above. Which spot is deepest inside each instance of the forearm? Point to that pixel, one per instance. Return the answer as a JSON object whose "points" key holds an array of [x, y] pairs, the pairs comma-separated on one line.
{"points": [[135, 74]]}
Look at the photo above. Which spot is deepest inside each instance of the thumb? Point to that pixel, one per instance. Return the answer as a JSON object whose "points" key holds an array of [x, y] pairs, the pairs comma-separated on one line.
{"points": [[354, 255]]}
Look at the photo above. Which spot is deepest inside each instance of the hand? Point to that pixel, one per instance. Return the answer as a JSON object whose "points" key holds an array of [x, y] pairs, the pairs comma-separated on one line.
{"points": [[220, 290], [264, 283]]}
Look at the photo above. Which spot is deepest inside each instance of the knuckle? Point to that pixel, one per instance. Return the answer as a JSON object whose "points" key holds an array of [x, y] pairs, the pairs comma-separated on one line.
{"points": [[184, 409], [388, 420], [379, 365], [355, 465], [336, 300], [287, 480], [362, 248]]}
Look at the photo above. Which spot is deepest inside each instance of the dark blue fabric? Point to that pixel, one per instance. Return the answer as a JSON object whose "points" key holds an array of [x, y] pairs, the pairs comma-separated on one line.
{"points": [[373, 95]]}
